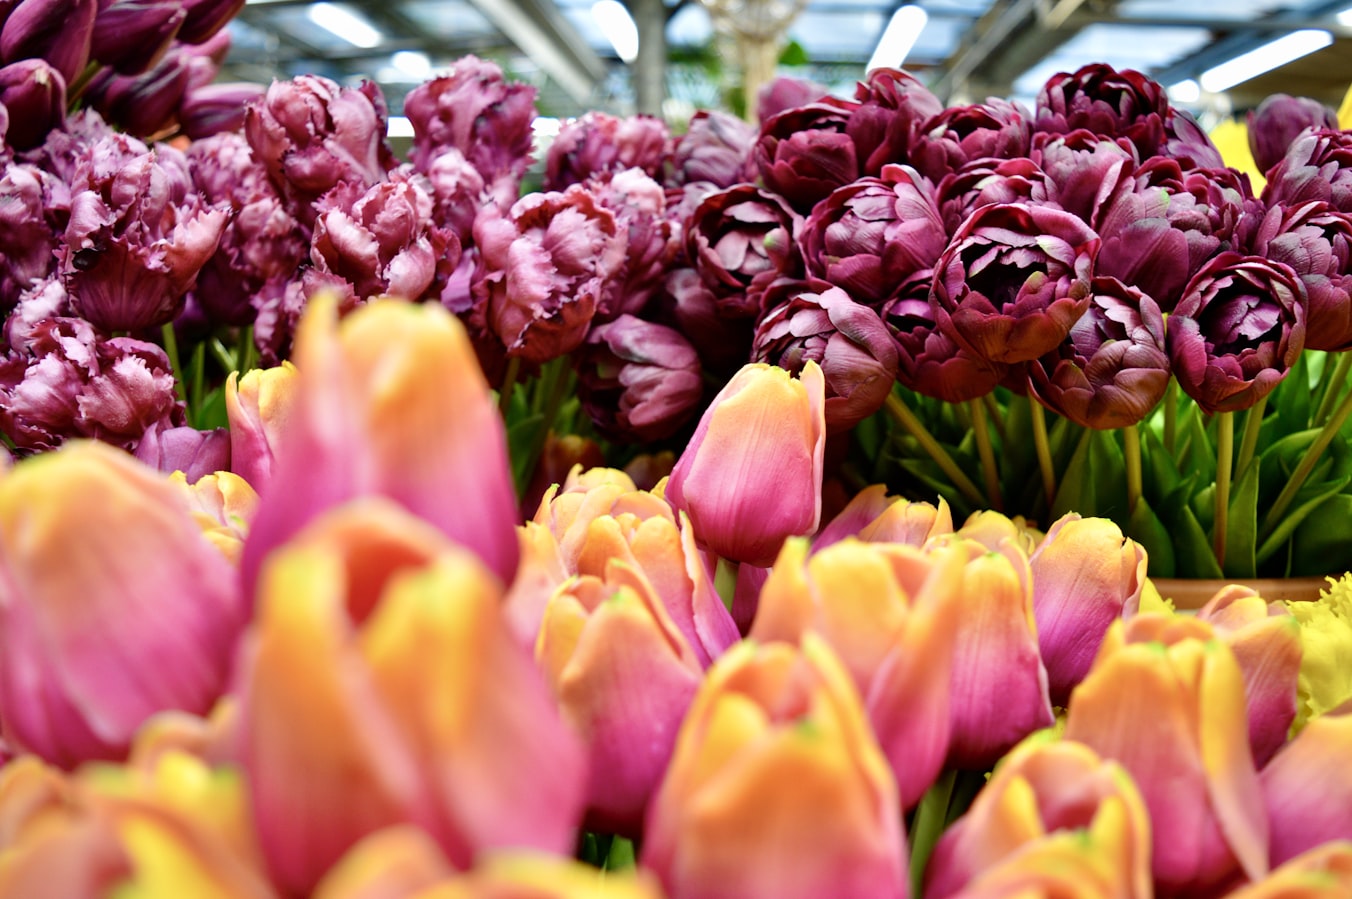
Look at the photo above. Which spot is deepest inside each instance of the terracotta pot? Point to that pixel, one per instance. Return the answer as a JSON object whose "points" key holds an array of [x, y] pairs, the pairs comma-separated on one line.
{"points": [[1193, 593]]}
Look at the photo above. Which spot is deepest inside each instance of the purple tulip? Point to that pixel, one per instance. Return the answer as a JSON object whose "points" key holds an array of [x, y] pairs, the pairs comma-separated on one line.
{"points": [[638, 381], [550, 260], [27, 239], [34, 96], [1013, 281], [739, 240], [786, 93], [1237, 331], [1186, 143], [458, 193], [988, 182], [723, 341], [928, 361], [804, 153], [996, 129], [1079, 164], [136, 239], [1318, 166], [474, 110], [1106, 102], [1278, 120], [871, 236], [716, 148], [132, 36], [217, 108], [1112, 369], [193, 452], [652, 239], [64, 148], [848, 340], [206, 18], [311, 134], [57, 31], [597, 143], [892, 107], [143, 105]]}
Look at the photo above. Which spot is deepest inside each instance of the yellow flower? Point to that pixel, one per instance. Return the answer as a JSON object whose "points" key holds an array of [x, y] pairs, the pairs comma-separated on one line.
{"points": [[1326, 639]]}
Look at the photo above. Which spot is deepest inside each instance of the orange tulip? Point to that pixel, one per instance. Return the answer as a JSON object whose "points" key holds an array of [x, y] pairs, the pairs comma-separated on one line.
{"points": [[875, 517], [1324, 872], [521, 876], [258, 407], [394, 863]]}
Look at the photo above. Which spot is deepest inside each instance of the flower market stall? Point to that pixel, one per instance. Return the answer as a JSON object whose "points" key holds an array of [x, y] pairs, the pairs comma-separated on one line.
{"points": [[719, 511]]}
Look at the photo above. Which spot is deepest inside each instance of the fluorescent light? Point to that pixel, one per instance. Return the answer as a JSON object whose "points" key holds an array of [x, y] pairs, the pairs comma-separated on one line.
{"points": [[898, 38], [1188, 91], [399, 126], [618, 27], [1345, 17], [344, 23], [413, 63], [1262, 59]]}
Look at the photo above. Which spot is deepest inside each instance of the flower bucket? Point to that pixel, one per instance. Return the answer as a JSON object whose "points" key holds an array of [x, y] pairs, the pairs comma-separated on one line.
{"points": [[1193, 593]]}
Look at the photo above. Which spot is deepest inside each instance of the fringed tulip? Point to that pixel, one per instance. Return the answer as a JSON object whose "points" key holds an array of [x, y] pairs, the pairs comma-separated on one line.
{"points": [[875, 517], [1325, 639], [1265, 639], [391, 403], [27, 236], [258, 407], [1308, 789], [715, 149], [1166, 700], [1047, 798], [596, 143], [777, 787], [1322, 873], [1085, 577], [890, 613], [751, 475], [143, 618], [367, 699]]}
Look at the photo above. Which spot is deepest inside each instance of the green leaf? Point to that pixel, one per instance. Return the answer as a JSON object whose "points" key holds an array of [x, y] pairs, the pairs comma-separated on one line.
{"points": [[1241, 533], [934, 481], [522, 435], [1146, 529], [1308, 498], [211, 413], [1094, 483], [1293, 400], [1159, 471], [1192, 549], [1322, 542], [1075, 488], [1197, 451]]}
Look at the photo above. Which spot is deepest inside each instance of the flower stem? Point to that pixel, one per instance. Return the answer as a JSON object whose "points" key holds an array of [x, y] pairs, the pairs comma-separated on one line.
{"points": [[725, 581], [248, 351], [1170, 416], [981, 428], [928, 826], [993, 410], [1225, 459], [558, 381], [1306, 465], [1131, 449], [223, 356], [913, 426], [1253, 424], [509, 385], [171, 350], [1044, 452], [1334, 387]]}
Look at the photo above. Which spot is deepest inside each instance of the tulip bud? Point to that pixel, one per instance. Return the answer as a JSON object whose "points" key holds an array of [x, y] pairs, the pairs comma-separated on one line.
{"points": [[216, 108], [1324, 872], [875, 517], [776, 786], [1278, 120], [1044, 798], [1085, 577], [102, 670], [55, 30], [751, 475], [145, 105], [1307, 787], [34, 95], [223, 505], [1166, 700], [206, 18], [193, 452], [258, 407], [132, 36]]}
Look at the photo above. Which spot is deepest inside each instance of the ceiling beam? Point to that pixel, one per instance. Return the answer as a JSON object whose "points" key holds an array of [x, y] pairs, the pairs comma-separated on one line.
{"points": [[543, 33]]}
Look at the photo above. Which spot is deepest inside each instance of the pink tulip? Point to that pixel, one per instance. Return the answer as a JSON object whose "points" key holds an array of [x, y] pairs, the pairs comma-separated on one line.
{"points": [[258, 407], [1307, 787], [875, 517]]}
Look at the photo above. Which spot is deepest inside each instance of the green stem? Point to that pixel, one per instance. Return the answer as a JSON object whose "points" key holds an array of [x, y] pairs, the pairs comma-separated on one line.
{"points": [[171, 350], [79, 83], [996, 418], [1335, 386], [559, 381], [725, 580], [1306, 465], [1225, 460], [199, 358], [509, 385], [1131, 449], [928, 826], [223, 356], [1170, 416], [913, 426], [1044, 452], [1253, 424], [981, 429], [248, 351]]}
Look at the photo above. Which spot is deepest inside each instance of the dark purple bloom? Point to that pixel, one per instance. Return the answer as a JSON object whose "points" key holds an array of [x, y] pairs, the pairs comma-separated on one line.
{"points": [[1111, 369], [716, 149], [64, 148], [804, 153], [144, 105], [1318, 166], [996, 129], [34, 96], [27, 238], [739, 240], [1186, 143], [1278, 120], [652, 239], [55, 30], [1106, 102], [786, 93], [871, 236], [132, 36], [193, 452], [1237, 331], [892, 105], [723, 341], [217, 108], [928, 362], [597, 143], [1013, 281], [847, 339], [637, 380], [988, 182], [1079, 164], [206, 18]]}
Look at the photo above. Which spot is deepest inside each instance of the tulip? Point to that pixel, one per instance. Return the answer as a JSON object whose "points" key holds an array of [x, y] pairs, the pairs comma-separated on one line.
{"points": [[395, 862], [804, 153], [1112, 369], [559, 455], [1265, 639], [892, 108], [848, 340], [366, 701], [206, 18], [132, 36], [739, 240], [875, 517], [144, 105], [597, 143], [1325, 636], [928, 361], [102, 670], [55, 30], [638, 381], [776, 787], [193, 452], [223, 505], [27, 238], [1317, 166], [258, 407], [1279, 120], [391, 403], [996, 129], [458, 191], [521, 874], [988, 182], [652, 239], [551, 259], [567, 511], [1322, 873], [1079, 164], [889, 612], [715, 149], [1186, 142], [1238, 329], [1107, 102], [34, 94], [871, 236], [784, 92], [217, 108], [1307, 789], [1085, 577], [716, 324], [1166, 700], [1043, 799], [1013, 281], [751, 475]]}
